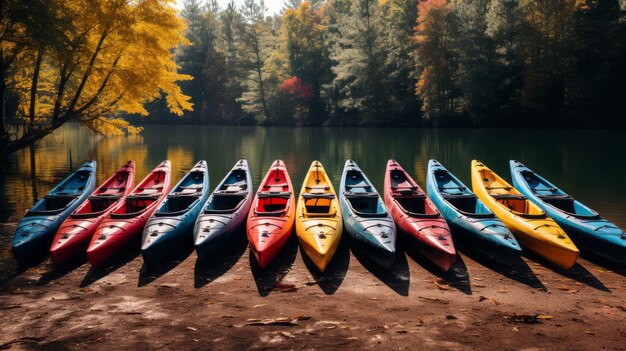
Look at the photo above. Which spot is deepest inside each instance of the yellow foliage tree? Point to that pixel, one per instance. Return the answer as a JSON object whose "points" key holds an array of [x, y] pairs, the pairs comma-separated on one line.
{"points": [[97, 60]]}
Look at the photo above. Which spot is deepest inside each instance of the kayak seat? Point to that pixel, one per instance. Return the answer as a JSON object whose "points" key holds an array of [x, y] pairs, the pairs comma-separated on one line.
{"points": [[269, 194], [318, 196], [508, 196], [350, 194], [146, 191]]}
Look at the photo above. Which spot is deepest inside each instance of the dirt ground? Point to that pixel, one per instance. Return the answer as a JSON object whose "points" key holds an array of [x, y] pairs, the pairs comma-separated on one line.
{"points": [[231, 304]]}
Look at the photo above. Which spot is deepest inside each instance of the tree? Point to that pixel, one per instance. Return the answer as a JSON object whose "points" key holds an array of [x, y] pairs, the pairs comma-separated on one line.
{"points": [[359, 53], [436, 63], [300, 54], [253, 33], [400, 63], [117, 57]]}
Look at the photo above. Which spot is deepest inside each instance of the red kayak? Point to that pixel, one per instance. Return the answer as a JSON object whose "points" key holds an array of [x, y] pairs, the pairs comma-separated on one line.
{"points": [[74, 235], [272, 215], [418, 217], [127, 219]]}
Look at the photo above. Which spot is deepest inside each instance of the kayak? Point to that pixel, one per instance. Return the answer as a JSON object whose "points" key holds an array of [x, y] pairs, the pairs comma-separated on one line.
{"points": [[366, 218], [472, 223], [74, 235], [225, 212], [34, 233], [127, 219], [271, 217], [585, 226], [173, 220], [417, 217], [318, 217], [531, 226]]}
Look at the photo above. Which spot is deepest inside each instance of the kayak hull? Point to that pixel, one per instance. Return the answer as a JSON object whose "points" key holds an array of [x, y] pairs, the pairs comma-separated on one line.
{"points": [[319, 224], [585, 227], [271, 218], [530, 225], [123, 226], [224, 213], [417, 217], [35, 232], [366, 218], [169, 227]]}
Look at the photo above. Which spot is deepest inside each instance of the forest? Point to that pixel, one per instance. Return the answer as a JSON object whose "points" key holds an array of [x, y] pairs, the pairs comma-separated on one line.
{"points": [[112, 65], [514, 63]]}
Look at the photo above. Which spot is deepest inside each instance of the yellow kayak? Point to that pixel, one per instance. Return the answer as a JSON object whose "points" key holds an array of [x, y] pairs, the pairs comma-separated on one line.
{"points": [[318, 218], [531, 226]]}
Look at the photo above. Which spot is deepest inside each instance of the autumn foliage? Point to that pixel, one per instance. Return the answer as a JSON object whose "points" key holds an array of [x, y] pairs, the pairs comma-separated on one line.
{"points": [[295, 88]]}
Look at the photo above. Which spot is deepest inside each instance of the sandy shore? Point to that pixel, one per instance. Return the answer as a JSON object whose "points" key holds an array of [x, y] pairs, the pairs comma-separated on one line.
{"points": [[230, 304]]}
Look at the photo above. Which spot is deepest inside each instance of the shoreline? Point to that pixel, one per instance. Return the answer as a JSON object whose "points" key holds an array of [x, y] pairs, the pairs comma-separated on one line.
{"points": [[231, 304]]}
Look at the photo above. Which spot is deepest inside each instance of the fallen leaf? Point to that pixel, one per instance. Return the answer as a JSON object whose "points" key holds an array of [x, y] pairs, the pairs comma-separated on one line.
{"points": [[482, 298], [192, 328], [450, 316], [478, 285], [442, 284], [261, 305], [401, 331], [284, 287]]}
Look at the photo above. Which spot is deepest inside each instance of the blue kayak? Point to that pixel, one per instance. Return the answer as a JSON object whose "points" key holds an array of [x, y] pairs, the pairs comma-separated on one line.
{"points": [[470, 220], [36, 230], [366, 218], [584, 226], [174, 219], [225, 212]]}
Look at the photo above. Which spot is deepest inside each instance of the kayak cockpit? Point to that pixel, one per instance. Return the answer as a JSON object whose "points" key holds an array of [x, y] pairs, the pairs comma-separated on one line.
{"points": [[569, 206], [469, 205], [51, 204], [95, 206], [225, 203], [365, 204], [448, 185], [271, 203], [134, 206], [176, 205], [519, 205], [318, 204], [416, 206]]}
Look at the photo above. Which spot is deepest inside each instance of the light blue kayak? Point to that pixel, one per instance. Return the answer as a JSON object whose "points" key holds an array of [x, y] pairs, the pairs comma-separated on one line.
{"points": [[366, 218], [584, 226], [173, 221], [36, 230], [470, 220]]}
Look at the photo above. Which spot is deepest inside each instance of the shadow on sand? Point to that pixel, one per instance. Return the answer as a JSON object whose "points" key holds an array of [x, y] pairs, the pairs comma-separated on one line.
{"points": [[330, 280], [152, 272], [266, 278], [397, 277], [56, 272], [208, 270], [515, 268], [113, 263], [577, 273], [457, 276], [604, 263]]}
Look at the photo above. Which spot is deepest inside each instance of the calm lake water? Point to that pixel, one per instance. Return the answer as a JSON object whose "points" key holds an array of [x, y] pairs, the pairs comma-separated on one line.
{"points": [[587, 164]]}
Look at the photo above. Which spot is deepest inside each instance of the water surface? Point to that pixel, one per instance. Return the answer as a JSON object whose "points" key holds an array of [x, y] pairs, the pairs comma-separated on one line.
{"points": [[587, 164]]}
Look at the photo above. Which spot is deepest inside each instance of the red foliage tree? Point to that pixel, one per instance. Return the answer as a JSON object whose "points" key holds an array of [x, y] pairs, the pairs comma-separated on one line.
{"points": [[295, 88]]}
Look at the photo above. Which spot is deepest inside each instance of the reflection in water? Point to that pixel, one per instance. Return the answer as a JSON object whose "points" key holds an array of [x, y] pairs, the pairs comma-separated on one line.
{"points": [[581, 162]]}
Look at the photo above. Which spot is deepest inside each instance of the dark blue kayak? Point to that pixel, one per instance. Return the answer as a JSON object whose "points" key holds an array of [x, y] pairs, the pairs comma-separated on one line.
{"points": [[366, 218], [584, 226], [225, 212], [36, 230], [174, 219], [470, 220]]}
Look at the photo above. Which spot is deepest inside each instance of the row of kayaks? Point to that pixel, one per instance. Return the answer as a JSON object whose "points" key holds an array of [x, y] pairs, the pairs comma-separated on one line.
{"points": [[494, 217]]}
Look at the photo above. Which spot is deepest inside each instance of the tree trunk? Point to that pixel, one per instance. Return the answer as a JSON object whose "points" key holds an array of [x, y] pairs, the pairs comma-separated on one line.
{"points": [[261, 88], [4, 131], [33, 89]]}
